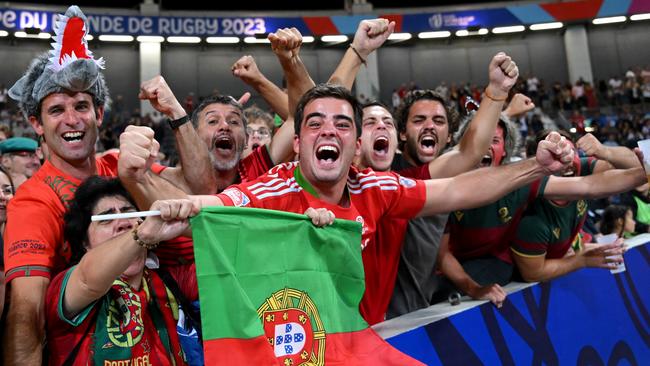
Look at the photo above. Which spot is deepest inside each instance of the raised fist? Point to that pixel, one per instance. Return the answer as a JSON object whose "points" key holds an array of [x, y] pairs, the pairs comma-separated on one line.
{"points": [[371, 34], [161, 97]]}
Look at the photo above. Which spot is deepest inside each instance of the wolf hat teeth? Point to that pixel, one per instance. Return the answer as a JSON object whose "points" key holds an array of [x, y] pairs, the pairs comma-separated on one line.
{"points": [[69, 66]]}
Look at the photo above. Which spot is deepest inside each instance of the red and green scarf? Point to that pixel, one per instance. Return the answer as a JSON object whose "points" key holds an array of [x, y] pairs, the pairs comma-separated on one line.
{"points": [[128, 323]]}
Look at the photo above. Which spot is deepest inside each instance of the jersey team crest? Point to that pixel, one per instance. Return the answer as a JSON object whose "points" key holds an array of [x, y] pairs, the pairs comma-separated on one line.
{"points": [[293, 328]]}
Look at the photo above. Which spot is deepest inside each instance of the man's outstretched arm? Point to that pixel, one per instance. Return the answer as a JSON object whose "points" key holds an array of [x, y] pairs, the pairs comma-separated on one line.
{"points": [[482, 186]]}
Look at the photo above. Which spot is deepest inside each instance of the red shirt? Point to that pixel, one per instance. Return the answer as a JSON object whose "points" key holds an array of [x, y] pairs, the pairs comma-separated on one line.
{"points": [[33, 237], [376, 198], [181, 249], [382, 259]]}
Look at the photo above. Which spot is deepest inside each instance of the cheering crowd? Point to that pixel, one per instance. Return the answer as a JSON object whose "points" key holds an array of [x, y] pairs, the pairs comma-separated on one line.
{"points": [[443, 205]]}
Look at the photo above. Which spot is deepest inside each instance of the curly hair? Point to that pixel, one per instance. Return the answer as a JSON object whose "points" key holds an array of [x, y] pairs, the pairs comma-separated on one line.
{"points": [[402, 112], [77, 218]]}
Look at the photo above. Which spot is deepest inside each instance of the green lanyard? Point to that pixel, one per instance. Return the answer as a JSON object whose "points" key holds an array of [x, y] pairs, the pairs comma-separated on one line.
{"points": [[303, 182]]}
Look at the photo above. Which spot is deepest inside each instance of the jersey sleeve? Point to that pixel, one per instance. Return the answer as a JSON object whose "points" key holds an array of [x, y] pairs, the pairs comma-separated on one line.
{"points": [[587, 165], [256, 164], [416, 172], [531, 238], [407, 199], [32, 237]]}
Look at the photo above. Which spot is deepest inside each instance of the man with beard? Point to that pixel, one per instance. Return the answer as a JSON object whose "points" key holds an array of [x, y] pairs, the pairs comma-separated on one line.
{"points": [[327, 139]]}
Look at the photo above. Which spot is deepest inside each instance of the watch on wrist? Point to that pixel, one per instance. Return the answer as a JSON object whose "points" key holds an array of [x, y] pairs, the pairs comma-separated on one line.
{"points": [[176, 123]]}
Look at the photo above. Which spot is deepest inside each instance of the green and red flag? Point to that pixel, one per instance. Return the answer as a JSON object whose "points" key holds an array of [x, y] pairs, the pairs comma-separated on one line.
{"points": [[276, 290]]}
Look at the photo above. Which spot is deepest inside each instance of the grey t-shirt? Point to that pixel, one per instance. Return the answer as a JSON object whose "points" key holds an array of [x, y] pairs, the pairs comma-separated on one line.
{"points": [[416, 281]]}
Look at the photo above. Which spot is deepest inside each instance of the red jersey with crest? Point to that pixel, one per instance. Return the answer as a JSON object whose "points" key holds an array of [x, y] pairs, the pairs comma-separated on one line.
{"points": [[374, 196]]}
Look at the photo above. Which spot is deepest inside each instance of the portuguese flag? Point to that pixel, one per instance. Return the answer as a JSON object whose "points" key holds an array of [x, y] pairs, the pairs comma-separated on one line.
{"points": [[276, 290]]}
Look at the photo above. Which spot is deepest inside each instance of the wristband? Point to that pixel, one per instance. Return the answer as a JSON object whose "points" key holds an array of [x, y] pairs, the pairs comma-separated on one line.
{"points": [[493, 98], [174, 124], [137, 239], [363, 61]]}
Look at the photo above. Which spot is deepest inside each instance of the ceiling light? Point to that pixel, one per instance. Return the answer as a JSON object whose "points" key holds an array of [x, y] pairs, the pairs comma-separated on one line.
{"points": [[334, 38], [222, 40], [183, 39], [512, 29], [644, 16], [545, 26], [308, 39], [609, 20], [253, 40], [400, 36], [429, 35], [153, 39], [42, 35], [115, 38], [465, 32]]}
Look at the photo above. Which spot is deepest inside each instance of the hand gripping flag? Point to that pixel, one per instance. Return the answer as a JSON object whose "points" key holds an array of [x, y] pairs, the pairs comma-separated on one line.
{"points": [[276, 290]]}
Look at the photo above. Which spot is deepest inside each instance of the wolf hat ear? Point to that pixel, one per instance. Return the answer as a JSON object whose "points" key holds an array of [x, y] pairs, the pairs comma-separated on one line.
{"points": [[69, 66]]}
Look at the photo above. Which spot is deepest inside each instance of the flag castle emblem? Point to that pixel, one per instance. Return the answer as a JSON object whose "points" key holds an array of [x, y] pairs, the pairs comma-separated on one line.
{"points": [[293, 328]]}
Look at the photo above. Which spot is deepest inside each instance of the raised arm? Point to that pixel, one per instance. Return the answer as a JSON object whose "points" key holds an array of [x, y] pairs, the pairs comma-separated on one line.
{"points": [[519, 104], [609, 157], [286, 43], [196, 174], [482, 186], [370, 35], [138, 149], [451, 268], [474, 144], [246, 69], [93, 276]]}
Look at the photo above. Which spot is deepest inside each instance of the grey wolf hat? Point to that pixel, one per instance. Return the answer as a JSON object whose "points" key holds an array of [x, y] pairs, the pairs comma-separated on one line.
{"points": [[69, 66]]}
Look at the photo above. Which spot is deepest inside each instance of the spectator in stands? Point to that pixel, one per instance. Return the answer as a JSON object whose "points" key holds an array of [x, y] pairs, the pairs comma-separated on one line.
{"points": [[259, 129], [5, 132], [638, 200], [6, 193], [619, 220], [108, 306], [19, 158]]}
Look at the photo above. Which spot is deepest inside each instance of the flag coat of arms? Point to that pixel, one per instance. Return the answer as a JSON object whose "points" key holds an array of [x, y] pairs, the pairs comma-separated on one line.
{"points": [[276, 290]]}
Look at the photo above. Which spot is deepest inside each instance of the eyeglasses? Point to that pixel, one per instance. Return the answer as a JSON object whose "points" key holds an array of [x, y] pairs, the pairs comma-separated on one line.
{"points": [[261, 132]]}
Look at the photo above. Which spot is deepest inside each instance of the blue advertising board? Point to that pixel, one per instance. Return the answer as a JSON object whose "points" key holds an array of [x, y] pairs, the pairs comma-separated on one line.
{"points": [[589, 317]]}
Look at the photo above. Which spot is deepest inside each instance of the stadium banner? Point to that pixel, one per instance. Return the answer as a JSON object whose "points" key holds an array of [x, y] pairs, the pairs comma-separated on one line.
{"points": [[16, 19], [589, 317], [275, 289]]}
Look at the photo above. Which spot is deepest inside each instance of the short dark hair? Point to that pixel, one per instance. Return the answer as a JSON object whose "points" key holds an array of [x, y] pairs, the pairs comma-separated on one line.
{"points": [[611, 214], [328, 91], [217, 99], [77, 217], [375, 103], [402, 112]]}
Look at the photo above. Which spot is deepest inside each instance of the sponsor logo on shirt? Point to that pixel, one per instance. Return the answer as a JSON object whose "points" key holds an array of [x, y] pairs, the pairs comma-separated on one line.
{"points": [[238, 197], [406, 182]]}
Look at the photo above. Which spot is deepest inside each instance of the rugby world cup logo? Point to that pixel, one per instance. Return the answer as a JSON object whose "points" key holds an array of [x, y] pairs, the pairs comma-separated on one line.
{"points": [[435, 21]]}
